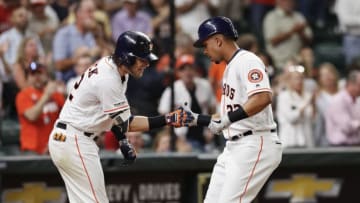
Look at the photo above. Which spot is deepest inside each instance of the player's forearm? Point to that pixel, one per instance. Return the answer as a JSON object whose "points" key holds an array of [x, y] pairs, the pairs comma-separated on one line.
{"points": [[139, 123], [257, 103], [281, 37]]}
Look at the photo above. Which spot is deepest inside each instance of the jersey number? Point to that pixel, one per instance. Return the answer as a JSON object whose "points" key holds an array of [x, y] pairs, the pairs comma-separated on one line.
{"points": [[91, 71], [233, 107]]}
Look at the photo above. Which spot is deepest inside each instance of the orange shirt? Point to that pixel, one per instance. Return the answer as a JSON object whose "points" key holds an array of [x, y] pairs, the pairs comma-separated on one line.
{"points": [[216, 72], [34, 135]]}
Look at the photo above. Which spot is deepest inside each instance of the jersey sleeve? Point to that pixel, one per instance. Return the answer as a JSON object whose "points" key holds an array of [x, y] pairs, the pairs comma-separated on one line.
{"points": [[255, 78], [112, 97]]}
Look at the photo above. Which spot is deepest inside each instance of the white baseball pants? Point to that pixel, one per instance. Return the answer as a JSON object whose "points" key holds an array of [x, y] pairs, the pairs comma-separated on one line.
{"points": [[77, 159], [243, 168]]}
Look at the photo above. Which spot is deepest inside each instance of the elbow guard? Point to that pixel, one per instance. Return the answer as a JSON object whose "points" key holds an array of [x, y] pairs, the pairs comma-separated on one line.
{"points": [[122, 122]]}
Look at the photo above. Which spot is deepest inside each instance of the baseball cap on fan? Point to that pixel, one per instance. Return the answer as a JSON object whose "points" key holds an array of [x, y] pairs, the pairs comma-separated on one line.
{"points": [[183, 60]]}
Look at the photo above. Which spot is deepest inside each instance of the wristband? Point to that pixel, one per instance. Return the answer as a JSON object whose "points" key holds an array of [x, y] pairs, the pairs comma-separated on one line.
{"points": [[203, 120], [156, 122], [237, 115]]}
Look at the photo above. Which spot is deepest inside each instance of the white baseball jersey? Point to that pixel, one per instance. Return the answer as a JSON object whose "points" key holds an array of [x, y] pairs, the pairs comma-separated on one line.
{"points": [[99, 92], [244, 76]]}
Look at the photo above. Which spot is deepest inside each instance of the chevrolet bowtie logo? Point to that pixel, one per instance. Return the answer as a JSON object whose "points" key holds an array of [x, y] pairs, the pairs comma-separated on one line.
{"points": [[303, 188], [34, 193]]}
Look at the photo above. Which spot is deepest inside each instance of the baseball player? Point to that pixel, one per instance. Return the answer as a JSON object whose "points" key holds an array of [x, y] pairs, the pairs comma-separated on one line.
{"points": [[252, 150], [97, 103]]}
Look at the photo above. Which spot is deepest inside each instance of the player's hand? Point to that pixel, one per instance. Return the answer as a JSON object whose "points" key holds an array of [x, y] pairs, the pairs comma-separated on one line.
{"points": [[217, 125], [187, 109], [179, 118], [127, 151]]}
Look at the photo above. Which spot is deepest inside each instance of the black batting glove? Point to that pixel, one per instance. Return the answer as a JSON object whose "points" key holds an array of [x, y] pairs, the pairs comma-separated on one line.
{"points": [[127, 151]]}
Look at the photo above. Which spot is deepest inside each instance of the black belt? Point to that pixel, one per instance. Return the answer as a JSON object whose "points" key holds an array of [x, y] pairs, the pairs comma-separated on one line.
{"points": [[63, 126], [249, 132]]}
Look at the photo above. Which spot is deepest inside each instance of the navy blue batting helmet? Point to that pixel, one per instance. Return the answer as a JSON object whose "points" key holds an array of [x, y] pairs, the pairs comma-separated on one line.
{"points": [[132, 44], [215, 25]]}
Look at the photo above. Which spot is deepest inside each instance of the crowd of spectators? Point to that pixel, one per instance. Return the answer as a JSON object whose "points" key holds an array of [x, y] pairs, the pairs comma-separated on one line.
{"points": [[45, 46]]}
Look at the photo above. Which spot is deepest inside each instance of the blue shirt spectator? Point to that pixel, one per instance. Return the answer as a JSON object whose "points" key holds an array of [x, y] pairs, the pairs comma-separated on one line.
{"points": [[66, 41], [73, 36], [130, 18]]}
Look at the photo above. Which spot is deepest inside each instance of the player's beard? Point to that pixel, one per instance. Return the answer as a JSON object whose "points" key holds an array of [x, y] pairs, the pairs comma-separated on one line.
{"points": [[136, 73]]}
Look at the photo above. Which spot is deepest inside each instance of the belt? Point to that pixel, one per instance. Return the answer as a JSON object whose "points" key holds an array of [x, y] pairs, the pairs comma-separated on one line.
{"points": [[249, 132], [87, 134]]}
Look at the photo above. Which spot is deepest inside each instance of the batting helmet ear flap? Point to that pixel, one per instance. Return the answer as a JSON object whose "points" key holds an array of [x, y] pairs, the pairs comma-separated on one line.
{"points": [[127, 59]]}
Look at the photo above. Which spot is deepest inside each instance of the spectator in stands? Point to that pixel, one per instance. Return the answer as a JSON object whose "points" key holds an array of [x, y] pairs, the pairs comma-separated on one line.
{"points": [[342, 116], [248, 42], [6, 9], [285, 32], [295, 111], [5, 75], [258, 10], [81, 65], [235, 10], [44, 22], [27, 53], [159, 11], [69, 38], [191, 13], [307, 59], [328, 87], [110, 6], [103, 42], [100, 16], [61, 8], [162, 141], [5, 67], [130, 17], [38, 108], [13, 37], [348, 14], [11, 40], [314, 11], [184, 45], [197, 93]]}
